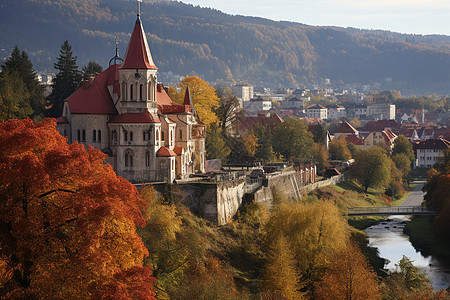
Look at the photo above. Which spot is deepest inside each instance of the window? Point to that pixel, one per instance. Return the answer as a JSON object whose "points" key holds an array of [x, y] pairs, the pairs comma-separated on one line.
{"points": [[131, 92], [78, 135], [65, 132], [170, 138], [128, 159], [94, 136], [99, 136], [181, 134], [125, 135], [123, 90], [143, 135], [162, 135], [140, 92], [83, 135], [149, 135], [131, 136], [114, 136], [147, 159]]}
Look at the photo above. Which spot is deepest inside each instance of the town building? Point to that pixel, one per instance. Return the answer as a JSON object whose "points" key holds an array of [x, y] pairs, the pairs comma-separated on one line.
{"points": [[255, 106], [383, 139], [381, 111], [335, 112], [345, 129], [316, 112], [243, 92], [127, 114], [429, 152]]}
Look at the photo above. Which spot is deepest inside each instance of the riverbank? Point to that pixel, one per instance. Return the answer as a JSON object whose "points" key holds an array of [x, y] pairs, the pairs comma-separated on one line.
{"points": [[424, 238]]}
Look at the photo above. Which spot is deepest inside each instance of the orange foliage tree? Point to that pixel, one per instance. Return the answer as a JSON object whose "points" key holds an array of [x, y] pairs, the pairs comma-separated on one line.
{"points": [[349, 277], [68, 222]]}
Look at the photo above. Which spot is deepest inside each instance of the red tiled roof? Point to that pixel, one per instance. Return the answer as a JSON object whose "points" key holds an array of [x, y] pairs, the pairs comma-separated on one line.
{"points": [[138, 54], [62, 120], [178, 150], [346, 127], [165, 152], [433, 144], [317, 106], [380, 125], [354, 140], [249, 123], [143, 117], [93, 97], [162, 98]]}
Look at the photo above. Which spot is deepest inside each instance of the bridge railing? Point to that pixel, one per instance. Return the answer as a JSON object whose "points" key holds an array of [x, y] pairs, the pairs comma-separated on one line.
{"points": [[394, 210]]}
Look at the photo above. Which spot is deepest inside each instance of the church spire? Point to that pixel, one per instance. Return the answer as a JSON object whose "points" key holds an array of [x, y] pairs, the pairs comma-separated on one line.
{"points": [[138, 54]]}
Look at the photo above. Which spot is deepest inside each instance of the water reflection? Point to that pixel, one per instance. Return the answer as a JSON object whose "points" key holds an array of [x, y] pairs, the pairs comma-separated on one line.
{"points": [[392, 244]]}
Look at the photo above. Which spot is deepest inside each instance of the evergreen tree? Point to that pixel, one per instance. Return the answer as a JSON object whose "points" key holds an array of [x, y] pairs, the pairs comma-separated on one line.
{"points": [[19, 65], [92, 69], [13, 97], [66, 81]]}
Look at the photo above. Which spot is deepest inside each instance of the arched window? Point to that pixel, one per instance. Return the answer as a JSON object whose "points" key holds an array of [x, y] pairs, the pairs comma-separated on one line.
{"points": [[65, 132], [140, 92], [181, 134], [94, 135], [114, 136], [149, 135], [131, 136], [144, 135], [78, 135], [125, 135], [83, 135], [170, 137], [128, 158], [162, 135], [131, 92], [99, 135], [124, 90]]}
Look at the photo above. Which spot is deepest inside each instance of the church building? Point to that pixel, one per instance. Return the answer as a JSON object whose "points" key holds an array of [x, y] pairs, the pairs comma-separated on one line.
{"points": [[128, 115]]}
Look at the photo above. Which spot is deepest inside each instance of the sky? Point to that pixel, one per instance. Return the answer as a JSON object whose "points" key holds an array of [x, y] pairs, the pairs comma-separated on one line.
{"points": [[405, 16]]}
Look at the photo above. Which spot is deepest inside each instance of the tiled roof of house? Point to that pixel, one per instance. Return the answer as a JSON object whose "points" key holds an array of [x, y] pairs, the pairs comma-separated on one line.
{"points": [[346, 127], [143, 117], [317, 106], [93, 97], [138, 54], [380, 125], [62, 120], [354, 140], [432, 144], [248, 123], [165, 152]]}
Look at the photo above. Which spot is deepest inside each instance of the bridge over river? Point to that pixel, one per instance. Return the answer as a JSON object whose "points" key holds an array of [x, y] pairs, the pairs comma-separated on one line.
{"points": [[391, 211]]}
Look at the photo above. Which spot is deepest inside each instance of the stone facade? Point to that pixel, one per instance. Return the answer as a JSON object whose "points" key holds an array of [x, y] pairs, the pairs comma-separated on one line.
{"points": [[125, 113]]}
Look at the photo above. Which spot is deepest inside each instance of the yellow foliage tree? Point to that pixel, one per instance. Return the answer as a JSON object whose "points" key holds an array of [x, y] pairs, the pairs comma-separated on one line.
{"points": [[315, 232], [203, 97], [282, 279]]}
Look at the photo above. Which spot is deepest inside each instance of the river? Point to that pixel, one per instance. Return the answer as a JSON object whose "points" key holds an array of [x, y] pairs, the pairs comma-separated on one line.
{"points": [[392, 244]]}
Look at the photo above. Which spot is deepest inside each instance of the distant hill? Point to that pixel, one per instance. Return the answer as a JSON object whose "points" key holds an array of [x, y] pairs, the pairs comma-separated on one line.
{"points": [[191, 40]]}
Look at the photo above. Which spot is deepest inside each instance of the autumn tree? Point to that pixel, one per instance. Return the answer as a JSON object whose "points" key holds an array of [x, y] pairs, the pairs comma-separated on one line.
{"points": [[229, 113], [203, 97], [320, 155], [292, 139], [349, 276], [250, 142], [403, 163], [91, 69], [13, 97], [66, 82], [403, 146], [314, 231], [68, 226], [282, 279], [372, 168], [338, 149]]}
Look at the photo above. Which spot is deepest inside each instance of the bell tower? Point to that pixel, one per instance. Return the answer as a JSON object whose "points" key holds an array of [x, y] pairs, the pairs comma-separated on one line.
{"points": [[138, 74]]}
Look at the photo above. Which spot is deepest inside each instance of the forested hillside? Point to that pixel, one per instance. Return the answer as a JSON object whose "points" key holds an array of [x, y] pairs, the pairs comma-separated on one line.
{"points": [[191, 40]]}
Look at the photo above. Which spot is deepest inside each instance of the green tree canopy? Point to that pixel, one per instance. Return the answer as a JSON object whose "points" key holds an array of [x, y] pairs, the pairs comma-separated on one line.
{"points": [[13, 97], [66, 81], [372, 168], [264, 150], [403, 145], [19, 64], [215, 145], [293, 140], [91, 69]]}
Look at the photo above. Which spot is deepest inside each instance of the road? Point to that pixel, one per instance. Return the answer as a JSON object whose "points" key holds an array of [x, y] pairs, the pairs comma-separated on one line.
{"points": [[416, 197]]}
